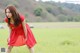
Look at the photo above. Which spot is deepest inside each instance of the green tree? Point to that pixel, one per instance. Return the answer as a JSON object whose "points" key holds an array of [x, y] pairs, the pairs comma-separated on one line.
{"points": [[38, 11]]}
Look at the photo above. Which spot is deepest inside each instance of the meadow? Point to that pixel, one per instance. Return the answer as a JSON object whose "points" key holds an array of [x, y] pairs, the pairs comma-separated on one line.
{"points": [[51, 38]]}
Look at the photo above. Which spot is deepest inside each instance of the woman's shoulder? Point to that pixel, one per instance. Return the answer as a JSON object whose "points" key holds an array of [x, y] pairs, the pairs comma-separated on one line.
{"points": [[6, 19], [22, 17]]}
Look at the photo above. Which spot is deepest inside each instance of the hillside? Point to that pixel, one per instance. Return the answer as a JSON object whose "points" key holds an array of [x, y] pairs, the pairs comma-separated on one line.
{"points": [[43, 11]]}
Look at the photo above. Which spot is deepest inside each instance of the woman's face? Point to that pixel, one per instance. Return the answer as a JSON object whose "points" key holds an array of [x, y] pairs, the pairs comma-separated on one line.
{"points": [[8, 13]]}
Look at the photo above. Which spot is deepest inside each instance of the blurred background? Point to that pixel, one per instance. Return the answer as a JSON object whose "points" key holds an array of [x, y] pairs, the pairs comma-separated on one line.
{"points": [[54, 23], [45, 10]]}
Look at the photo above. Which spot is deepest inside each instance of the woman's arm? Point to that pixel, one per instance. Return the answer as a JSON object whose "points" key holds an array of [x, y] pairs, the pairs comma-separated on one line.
{"points": [[9, 30], [24, 28]]}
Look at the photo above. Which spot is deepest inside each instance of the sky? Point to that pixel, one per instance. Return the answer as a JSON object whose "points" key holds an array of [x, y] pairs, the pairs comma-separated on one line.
{"points": [[68, 1]]}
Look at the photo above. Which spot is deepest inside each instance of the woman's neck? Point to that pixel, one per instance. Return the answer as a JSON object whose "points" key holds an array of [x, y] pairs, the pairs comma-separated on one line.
{"points": [[12, 21]]}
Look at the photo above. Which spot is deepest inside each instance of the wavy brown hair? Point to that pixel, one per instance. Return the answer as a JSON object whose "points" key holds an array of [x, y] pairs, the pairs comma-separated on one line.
{"points": [[15, 15]]}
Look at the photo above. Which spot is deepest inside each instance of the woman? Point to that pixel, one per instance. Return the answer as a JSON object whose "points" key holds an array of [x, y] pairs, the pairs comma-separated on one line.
{"points": [[20, 32]]}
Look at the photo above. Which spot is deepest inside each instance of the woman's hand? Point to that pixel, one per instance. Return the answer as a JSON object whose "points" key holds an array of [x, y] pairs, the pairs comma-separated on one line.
{"points": [[8, 40], [25, 39]]}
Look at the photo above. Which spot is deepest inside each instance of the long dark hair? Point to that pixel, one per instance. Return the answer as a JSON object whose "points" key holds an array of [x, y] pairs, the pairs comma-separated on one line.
{"points": [[15, 15]]}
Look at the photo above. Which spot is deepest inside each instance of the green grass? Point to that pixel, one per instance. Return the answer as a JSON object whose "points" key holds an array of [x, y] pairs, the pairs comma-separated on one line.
{"points": [[56, 40], [49, 40]]}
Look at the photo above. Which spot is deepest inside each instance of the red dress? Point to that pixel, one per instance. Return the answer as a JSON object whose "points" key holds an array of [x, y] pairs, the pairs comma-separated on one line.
{"points": [[17, 37]]}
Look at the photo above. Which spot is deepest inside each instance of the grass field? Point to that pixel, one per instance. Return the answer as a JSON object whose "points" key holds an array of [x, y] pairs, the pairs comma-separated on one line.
{"points": [[50, 40]]}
